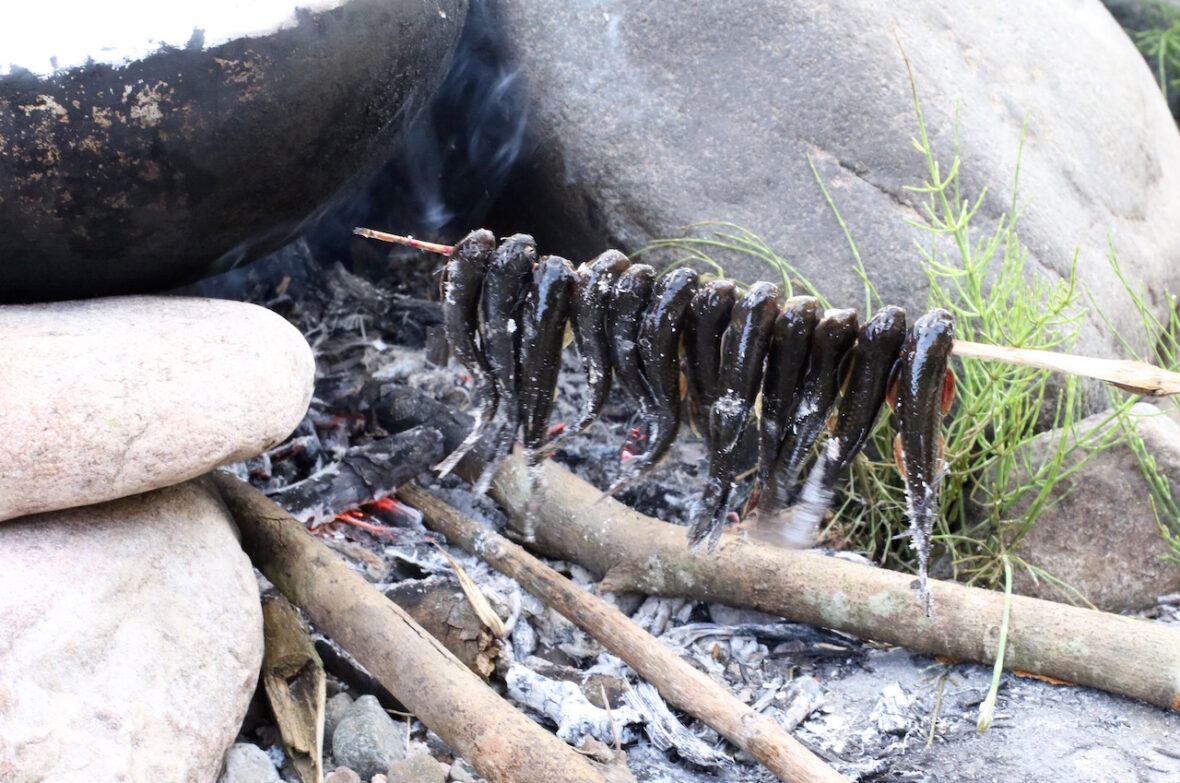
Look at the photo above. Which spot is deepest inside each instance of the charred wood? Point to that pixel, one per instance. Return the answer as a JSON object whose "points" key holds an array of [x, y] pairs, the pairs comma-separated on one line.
{"points": [[500, 742], [676, 679], [365, 473], [439, 606]]}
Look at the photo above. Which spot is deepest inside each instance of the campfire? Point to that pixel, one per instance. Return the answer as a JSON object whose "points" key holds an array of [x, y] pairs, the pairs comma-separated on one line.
{"points": [[359, 473], [621, 498]]}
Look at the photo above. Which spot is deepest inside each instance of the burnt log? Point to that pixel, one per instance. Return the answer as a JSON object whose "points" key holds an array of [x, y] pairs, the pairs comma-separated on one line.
{"points": [[635, 553], [501, 743], [365, 473]]}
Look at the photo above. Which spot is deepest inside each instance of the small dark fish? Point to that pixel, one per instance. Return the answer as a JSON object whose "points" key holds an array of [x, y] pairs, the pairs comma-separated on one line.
{"points": [[922, 395], [869, 373], [592, 296], [543, 320], [785, 365], [504, 289], [833, 338], [624, 314], [743, 353], [545, 312], [659, 356], [462, 283], [704, 325]]}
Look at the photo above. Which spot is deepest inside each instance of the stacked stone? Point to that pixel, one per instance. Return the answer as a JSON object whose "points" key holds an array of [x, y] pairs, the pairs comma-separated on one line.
{"points": [[130, 627]]}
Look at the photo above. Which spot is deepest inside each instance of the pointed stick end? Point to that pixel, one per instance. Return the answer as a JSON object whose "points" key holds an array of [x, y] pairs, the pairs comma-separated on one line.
{"points": [[398, 239]]}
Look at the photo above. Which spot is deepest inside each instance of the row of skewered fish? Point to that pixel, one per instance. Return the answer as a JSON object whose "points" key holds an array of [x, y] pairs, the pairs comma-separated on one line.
{"points": [[505, 314]]}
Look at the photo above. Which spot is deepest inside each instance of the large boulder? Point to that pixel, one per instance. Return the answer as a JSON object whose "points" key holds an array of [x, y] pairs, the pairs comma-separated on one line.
{"points": [[1099, 532], [130, 640], [650, 116], [108, 398], [136, 149]]}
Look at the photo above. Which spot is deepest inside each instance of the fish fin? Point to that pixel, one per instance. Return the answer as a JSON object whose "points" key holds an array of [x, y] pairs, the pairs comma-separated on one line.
{"points": [[948, 391], [893, 386], [899, 453], [567, 337]]}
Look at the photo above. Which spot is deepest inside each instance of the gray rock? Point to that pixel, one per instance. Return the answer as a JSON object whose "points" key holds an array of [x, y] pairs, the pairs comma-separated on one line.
{"points": [[246, 763], [1099, 533], [342, 775], [461, 772], [109, 398], [366, 739], [651, 116], [335, 709], [135, 171], [130, 640], [417, 768]]}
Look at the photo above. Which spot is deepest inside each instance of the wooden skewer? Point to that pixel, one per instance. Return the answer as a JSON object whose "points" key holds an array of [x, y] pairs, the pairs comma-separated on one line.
{"points": [[397, 239], [1133, 376]]}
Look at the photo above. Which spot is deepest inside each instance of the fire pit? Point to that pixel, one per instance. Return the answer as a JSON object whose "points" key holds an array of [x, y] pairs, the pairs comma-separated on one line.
{"points": [[421, 626]]}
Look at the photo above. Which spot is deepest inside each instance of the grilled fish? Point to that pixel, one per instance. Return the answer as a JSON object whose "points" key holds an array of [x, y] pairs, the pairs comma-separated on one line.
{"points": [[659, 357], [545, 311], [624, 314], [743, 353], [704, 325], [504, 289], [834, 335], [462, 283], [592, 296], [869, 373], [922, 396], [790, 348]]}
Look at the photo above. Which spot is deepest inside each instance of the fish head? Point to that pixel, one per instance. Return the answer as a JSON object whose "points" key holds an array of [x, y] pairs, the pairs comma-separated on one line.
{"points": [[611, 262], [517, 254], [888, 323], [636, 281], [717, 294], [935, 332], [477, 246]]}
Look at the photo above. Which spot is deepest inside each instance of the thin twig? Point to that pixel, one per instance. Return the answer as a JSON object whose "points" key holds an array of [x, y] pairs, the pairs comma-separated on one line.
{"points": [[398, 239]]}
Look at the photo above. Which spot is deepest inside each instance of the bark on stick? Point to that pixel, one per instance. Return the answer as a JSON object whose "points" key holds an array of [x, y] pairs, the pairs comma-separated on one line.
{"points": [[676, 679], [500, 742]]}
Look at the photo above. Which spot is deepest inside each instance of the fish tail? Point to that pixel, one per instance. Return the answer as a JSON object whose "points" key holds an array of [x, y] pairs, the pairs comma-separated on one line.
{"points": [[708, 515], [922, 512], [487, 412], [815, 499], [505, 437]]}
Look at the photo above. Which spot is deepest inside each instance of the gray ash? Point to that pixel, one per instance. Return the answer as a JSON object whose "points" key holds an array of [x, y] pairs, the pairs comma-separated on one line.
{"points": [[868, 711]]}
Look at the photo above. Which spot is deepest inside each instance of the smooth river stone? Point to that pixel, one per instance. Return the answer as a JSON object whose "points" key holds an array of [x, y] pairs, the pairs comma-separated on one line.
{"points": [[653, 116], [130, 640], [112, 397]]}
